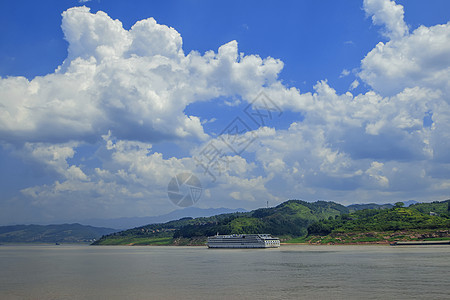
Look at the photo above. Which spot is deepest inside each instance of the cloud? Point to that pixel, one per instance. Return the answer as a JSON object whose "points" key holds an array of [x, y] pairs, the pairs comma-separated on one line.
{"points": [[121, 92], [347, 145], [344, 73], [135, 83], [344, 147], [419, 59], [354, 85], [133, 181], [388, 14], [54, 157]]}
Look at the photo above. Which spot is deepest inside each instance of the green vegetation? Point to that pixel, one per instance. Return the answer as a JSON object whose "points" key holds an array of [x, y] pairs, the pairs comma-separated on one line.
{"points": [[417, 222], [440, 208], [289, 219], [296, 221], [379, 237], [396, 218], [355, 207]]}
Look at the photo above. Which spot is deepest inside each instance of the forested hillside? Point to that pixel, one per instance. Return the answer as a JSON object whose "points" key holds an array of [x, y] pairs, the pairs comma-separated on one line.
{"points": [[300, 221], [417, 222], [290, 219]]}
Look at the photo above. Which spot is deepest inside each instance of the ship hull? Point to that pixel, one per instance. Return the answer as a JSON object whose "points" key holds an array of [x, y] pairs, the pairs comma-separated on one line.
{"points": [[241, 246], [243, 241]]}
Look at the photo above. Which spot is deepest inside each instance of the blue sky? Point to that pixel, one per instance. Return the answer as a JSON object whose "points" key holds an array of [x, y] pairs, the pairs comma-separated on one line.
{"points": [[97, 114]]}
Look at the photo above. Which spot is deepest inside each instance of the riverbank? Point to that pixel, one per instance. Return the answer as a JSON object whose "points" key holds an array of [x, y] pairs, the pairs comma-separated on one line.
{"points": [[374, 238], [366, 238]]}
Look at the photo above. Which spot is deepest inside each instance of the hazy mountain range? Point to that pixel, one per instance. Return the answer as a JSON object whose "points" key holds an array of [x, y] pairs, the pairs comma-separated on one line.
{"points": [[126, 223], [61, 233]]}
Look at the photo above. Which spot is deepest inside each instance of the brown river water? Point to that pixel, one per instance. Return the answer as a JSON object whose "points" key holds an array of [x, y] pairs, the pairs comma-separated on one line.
{"points": [[288, 272]]}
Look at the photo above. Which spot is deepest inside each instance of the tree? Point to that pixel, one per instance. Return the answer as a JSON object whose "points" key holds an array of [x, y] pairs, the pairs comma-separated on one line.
{"points": [[399, 204]]}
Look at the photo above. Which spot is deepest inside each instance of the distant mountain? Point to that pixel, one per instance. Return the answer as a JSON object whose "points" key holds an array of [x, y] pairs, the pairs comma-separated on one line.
{"points": [[127, 223], [356, 207], [63, 233], [410, 202], [290, 218]]}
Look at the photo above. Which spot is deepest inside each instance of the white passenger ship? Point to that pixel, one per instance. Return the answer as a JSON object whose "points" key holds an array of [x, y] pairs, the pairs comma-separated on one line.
{"points": [[243, 241]]}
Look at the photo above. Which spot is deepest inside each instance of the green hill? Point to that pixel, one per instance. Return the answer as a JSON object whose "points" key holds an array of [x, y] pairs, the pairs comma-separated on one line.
{"points": [[439, 207], [419, 221], [62, 233], [289, 219], [300, 221]]}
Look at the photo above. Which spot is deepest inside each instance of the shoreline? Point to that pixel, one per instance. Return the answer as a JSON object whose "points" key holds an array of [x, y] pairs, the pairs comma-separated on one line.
{"points": [[282, 245], [339, 244], [381, 243]]}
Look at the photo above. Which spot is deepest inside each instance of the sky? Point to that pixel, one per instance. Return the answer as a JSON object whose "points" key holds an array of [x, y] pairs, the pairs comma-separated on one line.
{"points": [[103, 104]]}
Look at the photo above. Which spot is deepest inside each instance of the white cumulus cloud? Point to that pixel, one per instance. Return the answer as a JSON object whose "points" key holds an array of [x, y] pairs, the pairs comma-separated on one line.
{"points": [[388, 14], [135, 83], [419, 59]]}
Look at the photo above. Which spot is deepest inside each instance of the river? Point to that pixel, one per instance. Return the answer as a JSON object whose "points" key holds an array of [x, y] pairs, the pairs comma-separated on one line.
{"points": [[289, 272]]}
